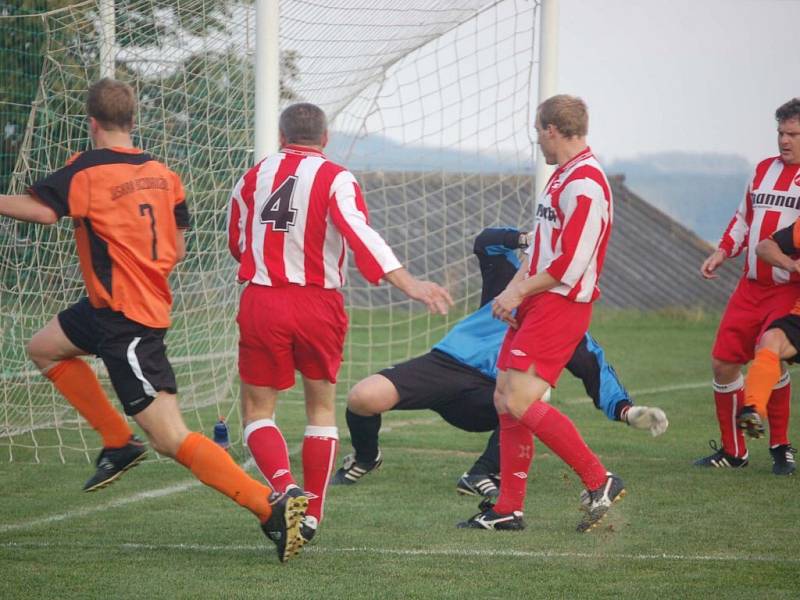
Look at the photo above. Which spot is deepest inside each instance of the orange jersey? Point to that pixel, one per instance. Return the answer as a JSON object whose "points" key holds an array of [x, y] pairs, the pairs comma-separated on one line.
{"points": [[126, 208]]}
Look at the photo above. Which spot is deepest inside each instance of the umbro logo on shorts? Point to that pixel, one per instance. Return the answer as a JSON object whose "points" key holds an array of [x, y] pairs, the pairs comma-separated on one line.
{"points": [[521, 474], [517, 352]]}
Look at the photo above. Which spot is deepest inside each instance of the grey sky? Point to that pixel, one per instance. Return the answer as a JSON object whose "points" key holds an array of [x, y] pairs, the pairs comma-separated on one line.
{"points": [[688, 75]]}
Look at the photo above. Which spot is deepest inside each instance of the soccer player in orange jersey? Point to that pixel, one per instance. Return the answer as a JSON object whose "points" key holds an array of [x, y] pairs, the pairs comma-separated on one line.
{"points": [[129, 215], [765, 293]]}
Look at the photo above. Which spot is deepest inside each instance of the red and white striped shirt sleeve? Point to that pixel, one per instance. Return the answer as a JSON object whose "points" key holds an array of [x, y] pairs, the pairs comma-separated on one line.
{"points": [[374, 258], [235, 222], [585, 220], [734, 240]]}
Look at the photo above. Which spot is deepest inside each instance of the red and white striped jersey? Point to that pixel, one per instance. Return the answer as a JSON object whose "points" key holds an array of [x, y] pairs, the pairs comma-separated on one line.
{"points": [[771, 202], [289, 217], [572, 227]]}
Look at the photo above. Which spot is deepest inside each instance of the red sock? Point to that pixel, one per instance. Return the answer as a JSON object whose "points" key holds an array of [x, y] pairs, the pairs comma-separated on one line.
{"points": [[729, 398], [516, 454], [79, 385], [269, 450], [558, 433], [319, 458], [778, 411]]}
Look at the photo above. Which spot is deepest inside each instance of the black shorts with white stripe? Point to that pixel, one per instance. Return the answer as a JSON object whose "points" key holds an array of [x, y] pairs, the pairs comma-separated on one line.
{"points": [[134, 355]]}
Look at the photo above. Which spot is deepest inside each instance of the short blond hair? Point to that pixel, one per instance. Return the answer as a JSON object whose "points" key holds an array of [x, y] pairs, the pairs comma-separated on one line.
{"points": [[112, 103], [566, 113]]}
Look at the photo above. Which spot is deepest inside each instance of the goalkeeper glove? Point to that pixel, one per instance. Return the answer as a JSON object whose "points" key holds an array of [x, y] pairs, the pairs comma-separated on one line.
{"points": [[645, 417]]}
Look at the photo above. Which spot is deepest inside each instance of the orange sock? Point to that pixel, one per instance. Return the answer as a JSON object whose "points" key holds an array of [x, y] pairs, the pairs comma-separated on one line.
{"points": [[764, 373], [215, 467], [79, 385]]}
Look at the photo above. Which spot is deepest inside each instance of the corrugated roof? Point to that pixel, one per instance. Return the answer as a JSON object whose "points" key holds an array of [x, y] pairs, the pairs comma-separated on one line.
{"points": [[431, 220]]}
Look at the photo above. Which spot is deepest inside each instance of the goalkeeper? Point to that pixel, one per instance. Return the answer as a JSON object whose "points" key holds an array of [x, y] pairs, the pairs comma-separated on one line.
{"points": [[457, 379]]}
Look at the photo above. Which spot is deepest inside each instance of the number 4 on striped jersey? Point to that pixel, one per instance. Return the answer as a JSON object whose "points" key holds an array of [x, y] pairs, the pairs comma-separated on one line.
{"points": [[278, 208]]}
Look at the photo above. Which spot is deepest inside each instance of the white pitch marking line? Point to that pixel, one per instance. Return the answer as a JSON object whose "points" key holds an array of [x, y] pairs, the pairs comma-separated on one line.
{"points": [[82, 512], [176, 489], [546, 554]]}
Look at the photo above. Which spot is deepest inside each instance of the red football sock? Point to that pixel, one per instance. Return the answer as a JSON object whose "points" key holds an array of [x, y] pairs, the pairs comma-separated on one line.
{"points": [[319, 459], [215, 467], [79, 385], [558, 433], [516, 453], [729, 398], [778, 411], [269, 450]]}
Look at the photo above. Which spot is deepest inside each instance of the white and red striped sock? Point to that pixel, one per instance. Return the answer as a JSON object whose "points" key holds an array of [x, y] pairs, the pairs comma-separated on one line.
{"points": [[319, 459], [729, 399], [269, 450]]}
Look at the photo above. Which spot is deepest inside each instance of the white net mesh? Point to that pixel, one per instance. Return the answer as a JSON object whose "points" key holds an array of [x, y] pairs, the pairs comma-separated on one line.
{"points": [[429, 105]]}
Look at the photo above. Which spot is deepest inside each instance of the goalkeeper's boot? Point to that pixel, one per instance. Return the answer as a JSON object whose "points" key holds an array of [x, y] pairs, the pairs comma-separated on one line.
{"points": [[352, 470], [595, 503], [721, 459], [750, 422], [283, 525], [488, 518], [113, 462], [477, 485], [783, 459]]}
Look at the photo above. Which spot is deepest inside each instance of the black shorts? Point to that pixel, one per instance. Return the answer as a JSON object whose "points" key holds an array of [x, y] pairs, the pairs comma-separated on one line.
{"points": [[135, 355], [790, 325], [435, 381]]}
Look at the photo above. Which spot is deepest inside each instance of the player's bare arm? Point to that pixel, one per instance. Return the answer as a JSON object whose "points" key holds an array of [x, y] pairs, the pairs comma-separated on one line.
{"points": [[769, 251], [712, 263], [434, 296], [25, 207], [180, 244]]}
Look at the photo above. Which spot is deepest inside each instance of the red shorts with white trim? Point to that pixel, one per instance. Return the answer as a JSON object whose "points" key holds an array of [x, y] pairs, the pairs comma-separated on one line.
{"points": [[550, 327], [286, 328], [751, 308]]}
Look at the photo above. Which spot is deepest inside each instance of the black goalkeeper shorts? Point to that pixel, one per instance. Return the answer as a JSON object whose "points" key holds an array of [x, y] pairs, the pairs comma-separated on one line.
{"points": [[135, 355], [436, 381]]}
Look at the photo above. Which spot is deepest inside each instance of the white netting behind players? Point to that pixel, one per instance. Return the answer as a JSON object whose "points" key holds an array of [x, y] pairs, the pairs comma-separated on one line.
{"points": [[429, 104]]}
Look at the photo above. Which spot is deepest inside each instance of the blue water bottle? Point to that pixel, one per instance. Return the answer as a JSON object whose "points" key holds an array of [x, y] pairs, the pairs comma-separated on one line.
{"points": [[221, 434]]}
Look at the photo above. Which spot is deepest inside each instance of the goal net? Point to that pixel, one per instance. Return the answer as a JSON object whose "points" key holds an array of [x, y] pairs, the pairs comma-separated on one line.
{"points": [[429, 104]]}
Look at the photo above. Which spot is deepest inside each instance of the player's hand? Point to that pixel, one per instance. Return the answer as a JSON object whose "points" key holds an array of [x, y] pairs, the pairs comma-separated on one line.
{"points": [[434, 296], [649, 418], [750, 422], [504, 305], [712, 263]]}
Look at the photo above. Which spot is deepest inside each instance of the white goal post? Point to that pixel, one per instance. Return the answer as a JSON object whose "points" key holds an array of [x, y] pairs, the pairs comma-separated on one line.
{"points": [[429, 103]]}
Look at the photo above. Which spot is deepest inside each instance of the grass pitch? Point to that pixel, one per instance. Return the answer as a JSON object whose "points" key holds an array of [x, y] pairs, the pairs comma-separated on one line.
{"points": [[681, 532]]}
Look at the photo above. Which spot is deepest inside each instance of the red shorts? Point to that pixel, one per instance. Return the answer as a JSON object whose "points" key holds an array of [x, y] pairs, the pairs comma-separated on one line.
{"points": [[550, 327], [286, 328], [751, 308]]}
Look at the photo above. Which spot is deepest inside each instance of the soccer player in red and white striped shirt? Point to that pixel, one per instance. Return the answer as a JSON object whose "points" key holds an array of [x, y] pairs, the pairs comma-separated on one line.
{"points": [[291, 219], [552, 294], [764, 293]]}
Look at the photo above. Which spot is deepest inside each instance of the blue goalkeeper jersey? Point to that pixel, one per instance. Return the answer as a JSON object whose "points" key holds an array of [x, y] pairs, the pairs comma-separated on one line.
{"points": [[475, 341]]}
